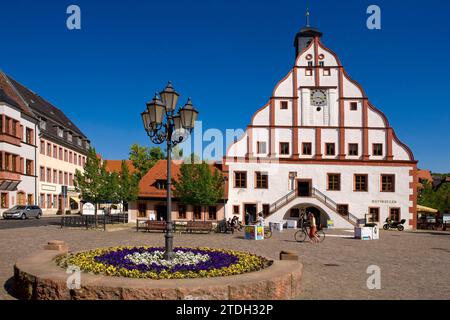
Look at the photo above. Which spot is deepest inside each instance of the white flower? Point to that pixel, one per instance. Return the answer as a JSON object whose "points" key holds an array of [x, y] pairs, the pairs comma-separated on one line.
{"points": [[157, 257]]}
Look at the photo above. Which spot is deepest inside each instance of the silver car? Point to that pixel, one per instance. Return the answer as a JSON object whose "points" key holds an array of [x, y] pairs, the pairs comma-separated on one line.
{"points": [[23, 212]]}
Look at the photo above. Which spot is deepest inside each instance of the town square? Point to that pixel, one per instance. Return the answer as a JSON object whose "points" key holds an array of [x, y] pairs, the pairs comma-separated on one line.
{"points": [[213, 173]]}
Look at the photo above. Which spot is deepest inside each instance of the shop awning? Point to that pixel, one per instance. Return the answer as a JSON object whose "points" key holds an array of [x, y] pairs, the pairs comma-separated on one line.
{"points": [[423, 209], [9, 185]]}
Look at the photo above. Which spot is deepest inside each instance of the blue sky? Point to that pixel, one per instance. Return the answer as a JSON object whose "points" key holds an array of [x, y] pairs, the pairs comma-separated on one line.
{"points": [[228, 56]]}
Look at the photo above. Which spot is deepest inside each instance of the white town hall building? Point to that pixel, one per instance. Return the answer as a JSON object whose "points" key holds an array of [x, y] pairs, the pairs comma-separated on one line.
{"points": [[319, 145]]}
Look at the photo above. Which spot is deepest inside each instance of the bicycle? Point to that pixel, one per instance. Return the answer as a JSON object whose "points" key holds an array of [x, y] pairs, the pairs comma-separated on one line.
{"points": [[301, 235]]}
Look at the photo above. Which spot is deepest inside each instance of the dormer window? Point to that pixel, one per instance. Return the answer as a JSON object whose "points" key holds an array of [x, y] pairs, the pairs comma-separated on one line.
{"points": [[43, 124], [87, 145], [161, 184], [69, 137], [310, 64], [60, 132], [79, 141], [321, 63]]}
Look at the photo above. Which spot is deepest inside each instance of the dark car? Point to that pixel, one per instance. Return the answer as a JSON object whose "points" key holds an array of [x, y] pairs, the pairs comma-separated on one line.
{"points": [[23, 212]]}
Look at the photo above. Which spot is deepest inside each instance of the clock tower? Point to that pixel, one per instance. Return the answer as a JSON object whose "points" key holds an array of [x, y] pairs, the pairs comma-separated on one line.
{"points": [[305, 36]]}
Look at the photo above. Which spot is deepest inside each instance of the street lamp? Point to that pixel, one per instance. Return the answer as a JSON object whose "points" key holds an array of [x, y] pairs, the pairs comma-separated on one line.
{"points": [[161, 131]]}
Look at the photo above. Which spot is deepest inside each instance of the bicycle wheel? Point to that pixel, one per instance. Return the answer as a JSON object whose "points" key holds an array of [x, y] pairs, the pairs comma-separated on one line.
{"points": [[300, 236], [267, 234], [321, 236]]}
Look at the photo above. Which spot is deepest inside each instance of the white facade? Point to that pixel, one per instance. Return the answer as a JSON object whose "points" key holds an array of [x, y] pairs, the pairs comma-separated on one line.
{"points": [[328, 129], [14, 147]]}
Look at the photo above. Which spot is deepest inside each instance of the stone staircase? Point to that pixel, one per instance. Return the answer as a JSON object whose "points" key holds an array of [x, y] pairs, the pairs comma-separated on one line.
{"points": [[318, 195]]}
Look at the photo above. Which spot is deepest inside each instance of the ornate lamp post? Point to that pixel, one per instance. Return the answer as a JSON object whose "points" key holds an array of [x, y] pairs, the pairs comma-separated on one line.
{"points": [[162, 130]]}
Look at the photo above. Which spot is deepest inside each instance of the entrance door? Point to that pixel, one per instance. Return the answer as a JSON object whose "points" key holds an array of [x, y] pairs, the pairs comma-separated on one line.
{"points": [[142, 210], [161, 213], [251, 209], [304, 188]]}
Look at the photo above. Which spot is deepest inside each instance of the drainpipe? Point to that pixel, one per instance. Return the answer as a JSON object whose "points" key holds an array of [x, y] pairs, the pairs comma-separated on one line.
{"points": [[35, 165]]}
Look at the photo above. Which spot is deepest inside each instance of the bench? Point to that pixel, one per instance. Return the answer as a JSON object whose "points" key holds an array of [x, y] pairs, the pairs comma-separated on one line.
{"points": [[199, 226], [151, 225]]}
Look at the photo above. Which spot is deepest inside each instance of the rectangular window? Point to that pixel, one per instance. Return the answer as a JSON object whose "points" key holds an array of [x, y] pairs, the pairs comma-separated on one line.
{"points": [[334, 182], [262, 180], [374, 215], [310, 64], [353, 149], [284, 105], [197, 213], [42, 147], [49, 149], [212, 213], [361, 182], [327, 72], [30, 199], [29, 136], [308, 72], [42, 200], [55, 151], [266, 209], [353, 106], [60, 132], [4, 200], [181, 211], [70, 179], [49, 201], [240, 180], [55, 176], [66, 179], [55, 201], [60, 153], [377, 149], [142, 210], [65, 155], [69, 137], [60, 180], [284, 148], [387, 183], [321, 63], [330, 149], [261, 147], [43, 124], [49, 175], [394, 214], [14, 164], [342, 209], [75, 162], [42, 174], [236, 210], [70, 157], [161, 184], [307, 148], [29, 167]]}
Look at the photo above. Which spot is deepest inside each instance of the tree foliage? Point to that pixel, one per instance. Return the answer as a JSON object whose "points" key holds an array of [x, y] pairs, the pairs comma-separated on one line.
{"points": [[144, 158], [97, 185], [438, 199], [198, 184]]}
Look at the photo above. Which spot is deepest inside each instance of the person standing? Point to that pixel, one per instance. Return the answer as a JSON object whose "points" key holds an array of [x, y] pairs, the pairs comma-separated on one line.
{"points": [[247, 218], [260, 220]]}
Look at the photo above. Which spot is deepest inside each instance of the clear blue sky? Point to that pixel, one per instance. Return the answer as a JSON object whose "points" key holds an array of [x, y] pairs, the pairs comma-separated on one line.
{"points": [[228, 55]]}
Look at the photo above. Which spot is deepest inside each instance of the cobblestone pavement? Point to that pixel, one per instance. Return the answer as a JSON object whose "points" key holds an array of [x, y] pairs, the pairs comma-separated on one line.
{"points": [[413, 265]]}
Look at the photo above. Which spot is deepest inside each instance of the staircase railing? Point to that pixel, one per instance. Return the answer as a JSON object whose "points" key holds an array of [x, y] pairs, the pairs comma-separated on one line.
{"points": [[333, 206], [315, 193]]}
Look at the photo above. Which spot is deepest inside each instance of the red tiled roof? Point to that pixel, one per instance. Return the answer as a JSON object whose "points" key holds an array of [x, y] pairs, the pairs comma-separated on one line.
{"points": [[116, 166], [147, 185], [424, 175], [9, 94]]}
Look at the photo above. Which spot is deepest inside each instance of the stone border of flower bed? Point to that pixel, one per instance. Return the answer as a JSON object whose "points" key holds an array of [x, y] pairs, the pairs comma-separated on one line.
{"points": [[37, 277]]}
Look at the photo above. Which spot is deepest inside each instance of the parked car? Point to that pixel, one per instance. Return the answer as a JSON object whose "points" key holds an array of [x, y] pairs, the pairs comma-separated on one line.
{"points": [[23, 212]]}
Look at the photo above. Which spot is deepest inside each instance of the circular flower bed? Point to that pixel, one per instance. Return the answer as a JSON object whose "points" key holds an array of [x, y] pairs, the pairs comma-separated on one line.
{"points": [[148, 262]]}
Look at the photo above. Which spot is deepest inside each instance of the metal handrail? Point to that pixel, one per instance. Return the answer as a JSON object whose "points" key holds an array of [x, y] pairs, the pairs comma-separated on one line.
{"points": [[330, 203]]}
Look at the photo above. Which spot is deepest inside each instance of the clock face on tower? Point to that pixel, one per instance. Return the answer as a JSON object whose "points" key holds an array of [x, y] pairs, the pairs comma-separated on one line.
{"points": [[318, 97]]}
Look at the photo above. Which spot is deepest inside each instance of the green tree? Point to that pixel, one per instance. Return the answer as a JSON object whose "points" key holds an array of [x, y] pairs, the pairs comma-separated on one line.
{"points": [[144, 158], [128, 184], [438, 199], [199, 184], [93, 182]]}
